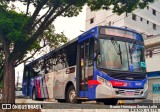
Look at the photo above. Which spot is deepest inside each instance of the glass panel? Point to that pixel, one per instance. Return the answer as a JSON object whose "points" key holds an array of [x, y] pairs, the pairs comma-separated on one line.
{"points": [[82, 62], [136, 57], [86, 61], [113, 55], [119, 33]]}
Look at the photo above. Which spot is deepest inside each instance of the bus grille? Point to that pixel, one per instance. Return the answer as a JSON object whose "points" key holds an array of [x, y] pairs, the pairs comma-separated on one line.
{"points": [[124, 92]]}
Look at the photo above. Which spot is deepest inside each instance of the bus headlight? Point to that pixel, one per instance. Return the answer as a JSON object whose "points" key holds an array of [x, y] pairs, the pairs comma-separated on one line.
{"points": [[104, 81], [146, 85], [108, 83]]}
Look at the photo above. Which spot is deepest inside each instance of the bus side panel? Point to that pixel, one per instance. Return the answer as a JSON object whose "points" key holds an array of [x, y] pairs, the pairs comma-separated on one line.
{"points": [[92, 91], [61, 80], [49, 85], [59, 84], [70, 77], [25, 87], [40, 85]]}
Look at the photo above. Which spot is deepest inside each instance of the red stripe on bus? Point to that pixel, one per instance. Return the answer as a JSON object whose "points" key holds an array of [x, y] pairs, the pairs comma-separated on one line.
{"points": [[38, 89], [117, 83], [93, 82]]}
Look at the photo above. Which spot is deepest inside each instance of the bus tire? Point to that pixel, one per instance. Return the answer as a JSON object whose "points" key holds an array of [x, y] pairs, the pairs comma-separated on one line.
{"points": [[61, 100], [110, 101], [40, 99], [34, 94], [71, 95]]}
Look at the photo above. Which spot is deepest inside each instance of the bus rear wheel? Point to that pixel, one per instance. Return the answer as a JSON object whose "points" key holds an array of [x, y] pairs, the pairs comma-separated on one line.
{"points": [[110, 101], [61, 100], [71, 95]]}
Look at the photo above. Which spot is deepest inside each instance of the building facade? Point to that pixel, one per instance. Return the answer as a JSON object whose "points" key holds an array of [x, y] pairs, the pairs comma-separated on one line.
{"points": [[145, 21], [153, 68]]}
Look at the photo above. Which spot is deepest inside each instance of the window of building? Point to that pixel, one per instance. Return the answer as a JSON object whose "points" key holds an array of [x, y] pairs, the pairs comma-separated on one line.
{"points": [[141, 19], [154, 26], [91, 20], [149, 53], [148, 7], [147, 22], [154, 12], [134, 17]]}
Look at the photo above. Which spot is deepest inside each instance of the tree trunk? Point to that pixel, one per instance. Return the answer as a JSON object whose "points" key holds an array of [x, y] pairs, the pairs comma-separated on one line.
{"points": [[8, 95]]}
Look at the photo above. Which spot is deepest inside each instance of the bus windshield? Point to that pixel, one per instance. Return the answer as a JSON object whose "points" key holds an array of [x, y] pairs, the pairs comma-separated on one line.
{"points": [[120, 55]]}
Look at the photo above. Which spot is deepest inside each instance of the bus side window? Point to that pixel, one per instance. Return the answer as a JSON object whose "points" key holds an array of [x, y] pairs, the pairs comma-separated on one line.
{"points": [[91, 58], [48, 66], [91, 52]]}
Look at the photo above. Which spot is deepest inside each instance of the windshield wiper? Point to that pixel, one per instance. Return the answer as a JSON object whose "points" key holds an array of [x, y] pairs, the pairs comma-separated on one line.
{"points": [[133, 48], [117, 48]]}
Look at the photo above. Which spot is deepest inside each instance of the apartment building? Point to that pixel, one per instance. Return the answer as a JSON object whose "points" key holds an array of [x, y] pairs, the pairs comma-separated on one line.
{"points": [[145, 21]]}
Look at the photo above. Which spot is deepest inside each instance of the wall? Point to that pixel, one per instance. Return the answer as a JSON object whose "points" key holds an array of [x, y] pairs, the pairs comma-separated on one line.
{"points": [[152, 81], [153, 64]]}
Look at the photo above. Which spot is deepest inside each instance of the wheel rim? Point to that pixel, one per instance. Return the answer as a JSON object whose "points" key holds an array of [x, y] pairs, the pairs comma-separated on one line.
{"points": [[72, 96]]}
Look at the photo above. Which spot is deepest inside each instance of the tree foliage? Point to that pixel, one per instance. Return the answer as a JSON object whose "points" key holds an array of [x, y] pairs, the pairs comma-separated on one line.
{"points": [[12, 29], [21, 33]]}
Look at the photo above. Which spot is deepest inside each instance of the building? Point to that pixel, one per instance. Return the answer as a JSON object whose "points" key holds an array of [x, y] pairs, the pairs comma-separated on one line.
{"points": [[153, 68], [145, 21], [153, 53]]}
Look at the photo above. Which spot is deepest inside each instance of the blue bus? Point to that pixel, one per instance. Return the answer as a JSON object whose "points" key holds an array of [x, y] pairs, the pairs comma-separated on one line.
{"points": [[105, 64]]}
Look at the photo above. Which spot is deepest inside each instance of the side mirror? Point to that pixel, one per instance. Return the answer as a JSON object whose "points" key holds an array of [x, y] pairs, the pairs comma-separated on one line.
{"points": [[143, 64]]}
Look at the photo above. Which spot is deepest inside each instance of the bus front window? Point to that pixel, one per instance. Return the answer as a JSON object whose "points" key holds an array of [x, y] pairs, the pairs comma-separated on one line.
{"points": [[136, 57], [113, 55], [119, 55]]}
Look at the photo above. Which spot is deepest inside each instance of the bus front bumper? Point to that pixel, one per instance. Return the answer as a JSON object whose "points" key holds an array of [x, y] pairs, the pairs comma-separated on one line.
{"points": [[103, 91]]}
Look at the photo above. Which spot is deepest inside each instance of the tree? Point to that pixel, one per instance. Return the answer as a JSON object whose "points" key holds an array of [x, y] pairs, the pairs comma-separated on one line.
{"points": [[19, 32], [1, 64]]}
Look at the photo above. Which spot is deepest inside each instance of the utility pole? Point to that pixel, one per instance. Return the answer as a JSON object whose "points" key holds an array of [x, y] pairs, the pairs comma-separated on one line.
{"points": [[17, 79]]}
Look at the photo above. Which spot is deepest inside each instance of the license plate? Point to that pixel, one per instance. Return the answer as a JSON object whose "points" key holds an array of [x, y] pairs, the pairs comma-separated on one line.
{"points": [[129, 93]]}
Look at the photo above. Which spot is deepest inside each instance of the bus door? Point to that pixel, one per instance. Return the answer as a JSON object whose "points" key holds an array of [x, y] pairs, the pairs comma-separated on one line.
{"points": [[84, 68]]}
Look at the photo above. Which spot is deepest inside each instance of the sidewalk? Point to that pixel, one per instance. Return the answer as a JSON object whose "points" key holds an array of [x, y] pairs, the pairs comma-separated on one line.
{"points": [[145, 101]]}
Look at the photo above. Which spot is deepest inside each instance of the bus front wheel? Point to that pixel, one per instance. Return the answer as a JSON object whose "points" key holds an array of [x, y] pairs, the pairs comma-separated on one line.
{"points": [[71, 95]]}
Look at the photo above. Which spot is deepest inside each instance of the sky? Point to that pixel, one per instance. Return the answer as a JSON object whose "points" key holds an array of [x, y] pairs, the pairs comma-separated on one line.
{"points": [[71, 27]]}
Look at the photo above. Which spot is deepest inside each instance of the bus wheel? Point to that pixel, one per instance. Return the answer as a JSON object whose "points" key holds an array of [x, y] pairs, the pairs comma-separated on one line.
{"points": [[34, 94], [110, 102], [71, 95], [61, 100]]}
